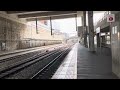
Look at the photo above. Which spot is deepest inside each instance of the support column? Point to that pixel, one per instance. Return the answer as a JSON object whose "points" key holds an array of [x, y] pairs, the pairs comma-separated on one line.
{"points": [[91, 31], [79, 21], [36, 26], [51, 25], [84, 28]]}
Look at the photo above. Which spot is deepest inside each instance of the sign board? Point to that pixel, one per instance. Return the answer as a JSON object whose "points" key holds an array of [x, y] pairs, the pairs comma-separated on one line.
{"points": [[111, 18]]}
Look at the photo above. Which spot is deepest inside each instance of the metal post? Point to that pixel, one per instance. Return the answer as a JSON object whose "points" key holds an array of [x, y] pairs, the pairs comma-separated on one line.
{"points": [[51, 25], [31, 35], [36, 26], [100, 43], [110, 35], [76, 21], [31, 30]]}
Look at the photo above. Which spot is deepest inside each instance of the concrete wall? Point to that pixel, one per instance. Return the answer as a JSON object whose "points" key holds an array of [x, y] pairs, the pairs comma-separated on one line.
{"points": [[15, 34], [115, 45], [115, 42], [10, 33]]}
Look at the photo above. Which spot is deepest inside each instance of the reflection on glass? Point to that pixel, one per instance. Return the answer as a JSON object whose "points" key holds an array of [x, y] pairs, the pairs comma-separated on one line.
{"points": [[112, 30], [115, 29]]}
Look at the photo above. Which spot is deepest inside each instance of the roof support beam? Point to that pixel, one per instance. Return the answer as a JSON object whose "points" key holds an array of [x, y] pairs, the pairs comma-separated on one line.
{"points": [[53, 17], [45, 14], [25, 12], [16, 12]]}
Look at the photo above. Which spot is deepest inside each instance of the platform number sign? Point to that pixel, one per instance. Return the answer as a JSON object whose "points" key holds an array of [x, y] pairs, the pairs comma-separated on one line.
{"points": [[111, 18]]}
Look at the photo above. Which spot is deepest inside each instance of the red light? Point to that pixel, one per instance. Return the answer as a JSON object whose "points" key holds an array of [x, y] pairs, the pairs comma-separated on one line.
{"points": [[110, 18]]}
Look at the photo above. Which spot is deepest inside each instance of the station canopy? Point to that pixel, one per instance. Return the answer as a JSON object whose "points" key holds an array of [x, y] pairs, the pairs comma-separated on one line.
{"points": [[45, 15]]}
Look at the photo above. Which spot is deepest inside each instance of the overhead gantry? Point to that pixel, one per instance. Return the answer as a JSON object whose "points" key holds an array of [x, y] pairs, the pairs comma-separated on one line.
{"points": [[43, 15]]}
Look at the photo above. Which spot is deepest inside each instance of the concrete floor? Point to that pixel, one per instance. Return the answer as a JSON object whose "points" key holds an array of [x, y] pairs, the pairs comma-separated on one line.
{"points": [[93, 66]]}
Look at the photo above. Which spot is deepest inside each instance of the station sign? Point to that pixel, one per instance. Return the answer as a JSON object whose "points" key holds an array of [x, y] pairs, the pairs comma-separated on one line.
{"points": [[111, 18]]}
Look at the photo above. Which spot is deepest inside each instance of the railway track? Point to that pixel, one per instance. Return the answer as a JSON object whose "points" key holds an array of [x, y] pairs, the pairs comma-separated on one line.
{"points": [[26, 55], [44, 60], [10, 60], [49, 69]]}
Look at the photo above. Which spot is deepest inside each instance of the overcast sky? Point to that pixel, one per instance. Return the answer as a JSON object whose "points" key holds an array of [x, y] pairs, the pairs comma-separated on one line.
{"points": [[67, 25]]}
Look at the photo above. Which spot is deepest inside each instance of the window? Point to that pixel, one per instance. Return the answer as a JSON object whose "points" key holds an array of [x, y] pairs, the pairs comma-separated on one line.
{"points": [[112, 30], [115, 29]]}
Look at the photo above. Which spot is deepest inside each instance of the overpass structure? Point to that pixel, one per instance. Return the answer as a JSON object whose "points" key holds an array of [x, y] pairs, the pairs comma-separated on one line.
{"points": [[51, 15]]}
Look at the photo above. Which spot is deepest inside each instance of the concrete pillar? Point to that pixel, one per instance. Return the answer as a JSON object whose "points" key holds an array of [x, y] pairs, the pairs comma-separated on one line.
{"points": [[84, 28], [80, 29], [82, 20], [91, 31]]}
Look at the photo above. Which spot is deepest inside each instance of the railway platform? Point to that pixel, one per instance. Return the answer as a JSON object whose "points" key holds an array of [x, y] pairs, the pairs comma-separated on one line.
{"points": [[68, 69], [82, 64]]}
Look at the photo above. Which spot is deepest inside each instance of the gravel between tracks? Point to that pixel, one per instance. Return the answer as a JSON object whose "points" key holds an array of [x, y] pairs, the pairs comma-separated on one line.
{"points": [[31, 70]]}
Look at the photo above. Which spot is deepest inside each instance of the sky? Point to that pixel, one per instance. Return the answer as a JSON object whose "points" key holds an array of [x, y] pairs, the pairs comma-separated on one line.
{"points": [[69, 25]]}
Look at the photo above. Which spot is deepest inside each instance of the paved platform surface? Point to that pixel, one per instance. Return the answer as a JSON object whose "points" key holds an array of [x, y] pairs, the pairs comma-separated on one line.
{"points": [[82, 64], [68, 69], [93, 66]]}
